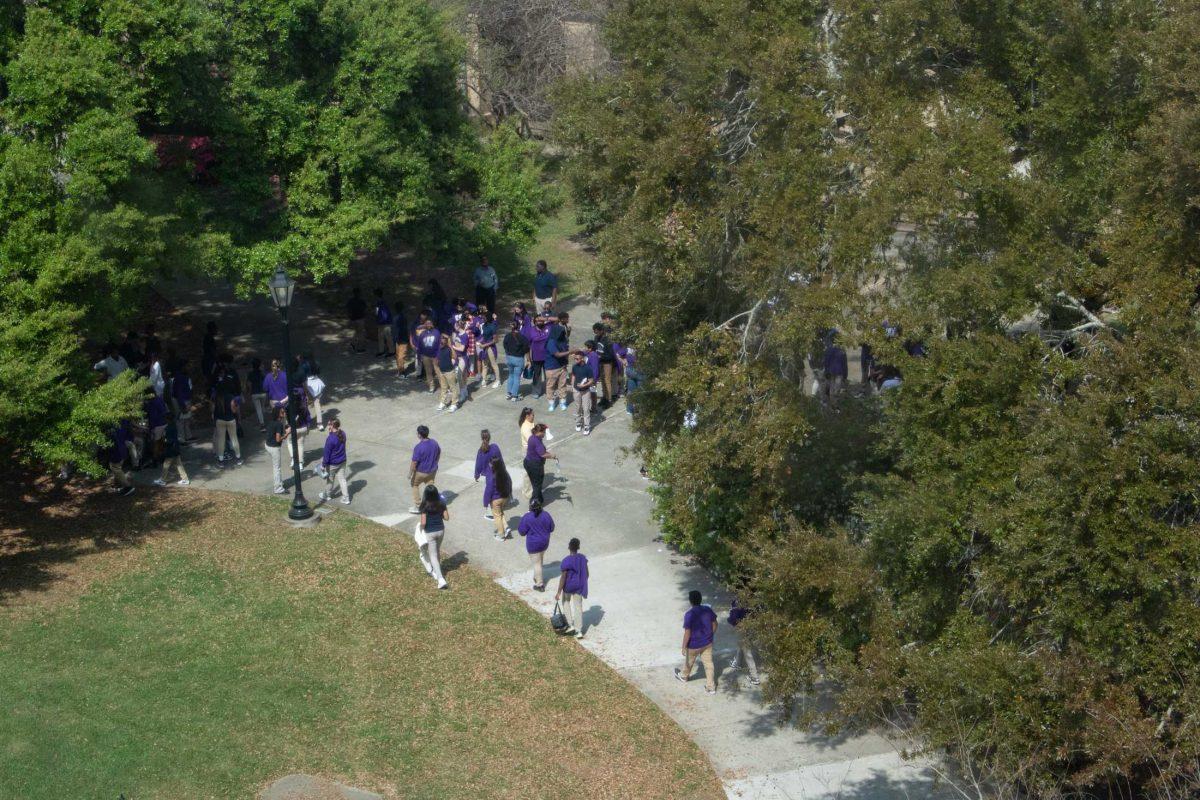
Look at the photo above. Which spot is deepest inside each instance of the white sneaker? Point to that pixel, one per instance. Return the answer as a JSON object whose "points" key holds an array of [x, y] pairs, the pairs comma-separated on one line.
{"points": [[280, 490], [323, 496], [159, 482], [184, 482], [441, 407], [345, 501], [578, 426], [442, 584], [414, 510], [453, 408], [489, 515], [551, 407]]}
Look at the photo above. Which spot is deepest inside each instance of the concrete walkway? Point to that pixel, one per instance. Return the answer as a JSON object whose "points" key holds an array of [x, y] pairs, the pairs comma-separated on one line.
{"points": [[638, 585]]}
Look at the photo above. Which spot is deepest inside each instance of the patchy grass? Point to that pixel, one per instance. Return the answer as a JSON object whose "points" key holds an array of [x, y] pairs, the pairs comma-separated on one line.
{"points": [[561, 243], [204, 648]]}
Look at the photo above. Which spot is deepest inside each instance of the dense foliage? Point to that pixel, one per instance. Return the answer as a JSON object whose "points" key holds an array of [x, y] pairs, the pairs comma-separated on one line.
{"points": [[1000, 556], [139, 138]]}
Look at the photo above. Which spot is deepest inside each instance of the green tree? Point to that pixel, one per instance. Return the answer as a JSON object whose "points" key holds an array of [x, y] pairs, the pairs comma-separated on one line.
{"points": [[1001, 550], [334, 127]]}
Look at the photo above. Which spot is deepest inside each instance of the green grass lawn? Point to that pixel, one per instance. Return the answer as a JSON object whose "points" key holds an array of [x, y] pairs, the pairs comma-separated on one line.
{"points": [[192, 645], [560, 244]]}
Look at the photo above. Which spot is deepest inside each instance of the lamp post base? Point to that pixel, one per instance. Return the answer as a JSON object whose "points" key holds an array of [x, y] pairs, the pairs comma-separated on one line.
{"points": [[305, 522]]}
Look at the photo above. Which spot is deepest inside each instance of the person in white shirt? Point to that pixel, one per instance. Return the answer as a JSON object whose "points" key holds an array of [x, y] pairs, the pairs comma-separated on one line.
{"points": [[112, 363], [487, 283]]}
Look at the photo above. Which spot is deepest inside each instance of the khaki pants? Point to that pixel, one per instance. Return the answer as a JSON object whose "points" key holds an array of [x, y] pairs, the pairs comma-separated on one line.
{"points": [[608, 377], [449, 384], [536, 559], [177, 463], [221, 429], [383, 337], [572, 608], [487, 360], [419, 479], [705, 656], [583, 409], [556, 384], [336, 472], [401, 356], [120, 476], [429, 365], [498, 514], [276, 466]]}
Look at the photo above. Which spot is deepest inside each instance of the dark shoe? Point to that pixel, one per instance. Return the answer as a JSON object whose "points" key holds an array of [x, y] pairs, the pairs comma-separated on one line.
{"points": [[679, 675], [127, 491]]}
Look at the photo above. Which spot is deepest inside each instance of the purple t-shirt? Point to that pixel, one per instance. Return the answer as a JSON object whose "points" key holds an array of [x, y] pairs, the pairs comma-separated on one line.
{"points": [[429, 342], [426, 454], [156, 412], [536, 528], [593, 361], [699, 620], [536, 450], [575, 568], [275, 386], [537, 343]]}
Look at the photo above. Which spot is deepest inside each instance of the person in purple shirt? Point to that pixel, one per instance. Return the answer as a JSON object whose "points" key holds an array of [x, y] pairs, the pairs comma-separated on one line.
{"points": [[573, 588], [156, 421], [424, 466], [836, 370], [488, 451], [537, 335], [745, 653], [333, 462], [535, 462], [699, 629], [536, 526], [181, 399], [383, 325], [428, 343], [115, 455], [275, 384]]}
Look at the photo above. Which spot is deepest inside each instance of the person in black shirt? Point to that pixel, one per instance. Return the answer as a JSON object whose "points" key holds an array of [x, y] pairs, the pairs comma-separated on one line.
{"points": [[356, 310], [608, 364], [276, 426], [582, 380], [516, 354], [226, 404]]}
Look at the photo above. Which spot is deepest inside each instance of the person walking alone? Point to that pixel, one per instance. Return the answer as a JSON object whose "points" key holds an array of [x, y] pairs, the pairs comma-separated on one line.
{"points": [[356, 312], [424, 466], [434, 516], [333, 462], [226, 405], [535, 463], [486, 283], [573, 588], [745, 651], [276, 428], [699, 630], [383, 325], [536, 526]]}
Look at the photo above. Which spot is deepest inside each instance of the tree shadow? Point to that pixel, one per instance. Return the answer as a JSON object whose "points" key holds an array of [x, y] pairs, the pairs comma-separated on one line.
{"points": [[45, 528]]}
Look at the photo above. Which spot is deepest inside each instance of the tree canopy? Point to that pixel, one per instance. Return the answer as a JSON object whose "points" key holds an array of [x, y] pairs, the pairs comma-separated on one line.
{"points": [[1001, 552], [138, 139]]}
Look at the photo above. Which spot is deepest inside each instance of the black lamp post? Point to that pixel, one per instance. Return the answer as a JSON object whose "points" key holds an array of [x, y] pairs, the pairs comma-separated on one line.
{"points": [[282, 288]]}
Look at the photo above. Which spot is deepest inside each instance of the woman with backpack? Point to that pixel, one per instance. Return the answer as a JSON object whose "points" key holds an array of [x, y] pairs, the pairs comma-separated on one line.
{"points": [[536, 526], [430, 531], [333, 462]]}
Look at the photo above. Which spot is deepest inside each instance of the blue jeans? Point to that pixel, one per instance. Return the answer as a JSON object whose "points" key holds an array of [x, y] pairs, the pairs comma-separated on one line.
{"points": [[515, 365], [633, 379]]}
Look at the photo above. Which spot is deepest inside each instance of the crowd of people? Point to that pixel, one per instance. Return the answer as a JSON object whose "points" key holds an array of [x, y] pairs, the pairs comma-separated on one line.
{"points": [[454, 346]]}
